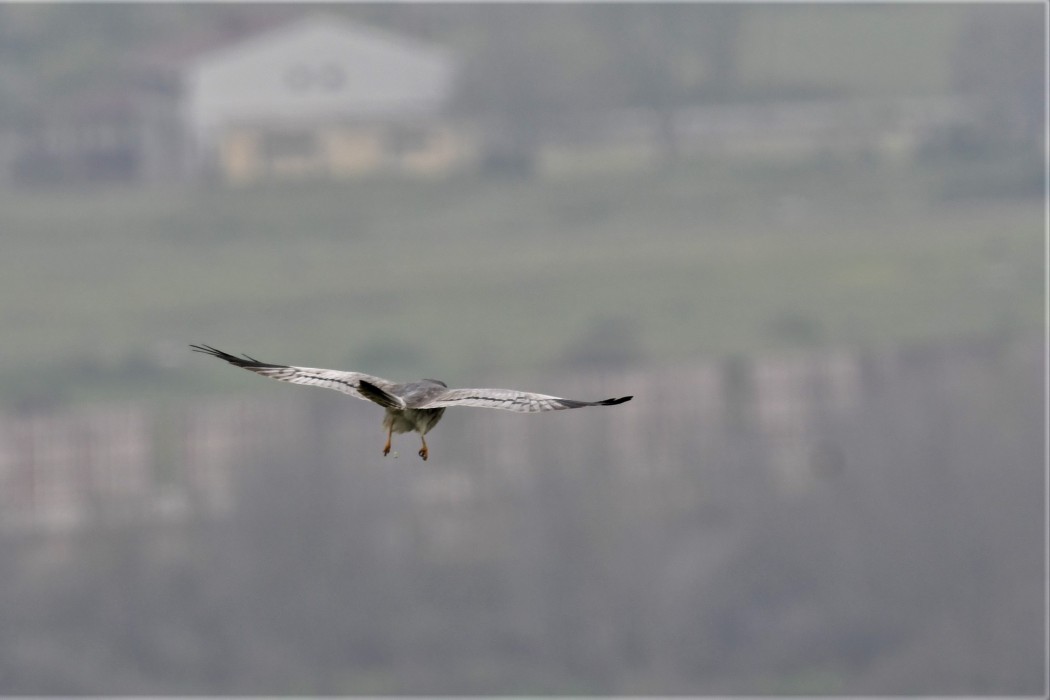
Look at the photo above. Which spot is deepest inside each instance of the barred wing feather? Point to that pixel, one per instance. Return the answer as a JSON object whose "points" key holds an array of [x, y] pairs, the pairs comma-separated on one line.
{"points": [[511, 400], [346, 382]]}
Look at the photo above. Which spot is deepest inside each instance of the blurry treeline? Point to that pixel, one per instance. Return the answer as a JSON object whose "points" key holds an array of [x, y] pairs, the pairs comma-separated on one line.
{"points": [[538, 70], [862, 525]]}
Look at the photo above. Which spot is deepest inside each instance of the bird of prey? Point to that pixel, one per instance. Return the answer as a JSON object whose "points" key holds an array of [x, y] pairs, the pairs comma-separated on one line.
{"points": [[410, 406]]}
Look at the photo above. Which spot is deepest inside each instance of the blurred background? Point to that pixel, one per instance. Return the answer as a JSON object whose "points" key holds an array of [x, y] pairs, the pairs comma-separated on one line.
{"points": [[809, 239]]}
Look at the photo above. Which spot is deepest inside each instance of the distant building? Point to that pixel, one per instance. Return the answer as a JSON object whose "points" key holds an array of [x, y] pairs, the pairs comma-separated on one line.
{"points": [[120, 134], [317, 97], [321, 97]]}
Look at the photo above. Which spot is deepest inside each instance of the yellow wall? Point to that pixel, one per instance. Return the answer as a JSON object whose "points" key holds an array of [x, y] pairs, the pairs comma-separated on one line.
{"points": [[238, 156], [341, 151], [352, 150], [444, 152]]}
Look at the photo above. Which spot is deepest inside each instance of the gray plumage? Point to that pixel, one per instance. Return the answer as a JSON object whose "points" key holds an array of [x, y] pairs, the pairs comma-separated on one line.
{"points": [[410, 406]]}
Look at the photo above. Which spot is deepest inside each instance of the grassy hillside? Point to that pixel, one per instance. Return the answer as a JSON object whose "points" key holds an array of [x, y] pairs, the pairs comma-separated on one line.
{"points": [[101, 291], [865, 49]]}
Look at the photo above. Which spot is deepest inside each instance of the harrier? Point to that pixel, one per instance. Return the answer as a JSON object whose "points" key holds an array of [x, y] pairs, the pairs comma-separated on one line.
{"points": [[410, 406]]}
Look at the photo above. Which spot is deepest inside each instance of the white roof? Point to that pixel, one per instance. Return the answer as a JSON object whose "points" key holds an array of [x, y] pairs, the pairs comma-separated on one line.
{"points": [[320, 67]]}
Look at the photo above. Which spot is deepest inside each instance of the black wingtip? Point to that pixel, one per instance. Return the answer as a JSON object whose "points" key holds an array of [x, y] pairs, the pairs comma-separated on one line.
{"points": [[615, 402], [209, 350], [247, 361]]}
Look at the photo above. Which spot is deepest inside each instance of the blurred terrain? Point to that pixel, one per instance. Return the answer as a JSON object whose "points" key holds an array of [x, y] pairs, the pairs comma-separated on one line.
{"points": [[810, 241], [103, 291]]}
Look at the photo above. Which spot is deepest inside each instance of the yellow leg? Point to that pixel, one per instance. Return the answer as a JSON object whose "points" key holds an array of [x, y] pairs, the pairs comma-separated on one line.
{"points": [[423, 451], [389, 437]]}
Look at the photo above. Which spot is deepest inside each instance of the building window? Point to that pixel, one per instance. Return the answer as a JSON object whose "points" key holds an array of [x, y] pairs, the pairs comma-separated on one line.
{"points": [[331, 76]]}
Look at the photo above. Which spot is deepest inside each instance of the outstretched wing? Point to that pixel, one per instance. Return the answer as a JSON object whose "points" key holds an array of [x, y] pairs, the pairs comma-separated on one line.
{"points": [[346, 382], [511, 400]]}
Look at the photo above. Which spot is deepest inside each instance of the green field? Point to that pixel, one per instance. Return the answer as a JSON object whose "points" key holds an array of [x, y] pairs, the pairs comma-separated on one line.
{"points": [[468, 278]]}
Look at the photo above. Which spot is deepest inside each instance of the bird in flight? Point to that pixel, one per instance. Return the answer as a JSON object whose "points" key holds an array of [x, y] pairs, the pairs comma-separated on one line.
{"points": [[411, 406]]}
